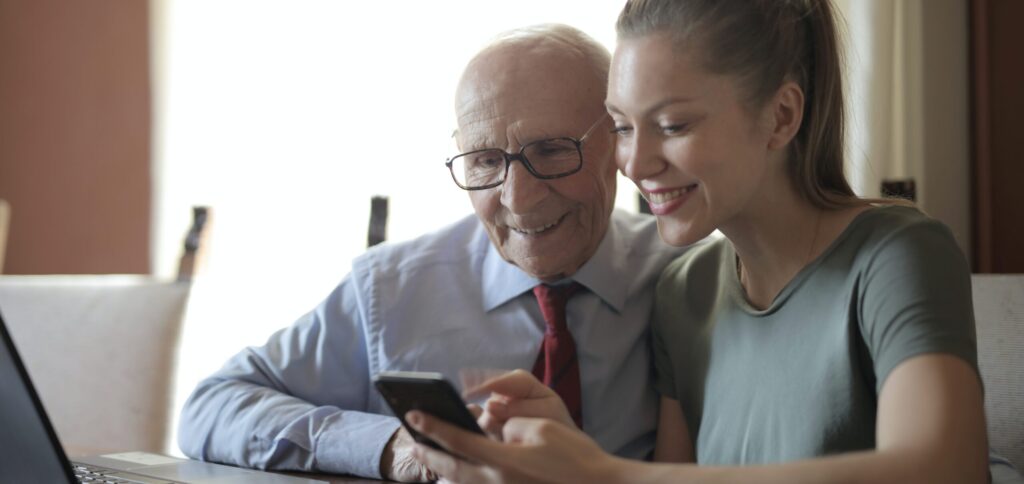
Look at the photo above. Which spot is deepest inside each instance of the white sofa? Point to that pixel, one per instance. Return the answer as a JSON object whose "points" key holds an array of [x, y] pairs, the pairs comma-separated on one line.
{"points": [[999, 316]]}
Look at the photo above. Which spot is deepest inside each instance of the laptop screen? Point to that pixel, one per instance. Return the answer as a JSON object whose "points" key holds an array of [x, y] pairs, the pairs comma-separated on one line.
{"points": [[29, 450]]}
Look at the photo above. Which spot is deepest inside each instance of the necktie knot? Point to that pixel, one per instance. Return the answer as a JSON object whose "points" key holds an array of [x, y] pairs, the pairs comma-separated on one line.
{"points": [[552, 301]]}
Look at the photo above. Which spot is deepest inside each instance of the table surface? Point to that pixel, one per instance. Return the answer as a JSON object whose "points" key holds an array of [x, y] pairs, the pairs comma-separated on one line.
{"points": [[76, 452]]}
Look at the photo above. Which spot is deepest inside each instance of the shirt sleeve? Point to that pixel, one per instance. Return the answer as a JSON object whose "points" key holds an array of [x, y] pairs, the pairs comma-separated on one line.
{"points": [[296, 403], [916, 298]]}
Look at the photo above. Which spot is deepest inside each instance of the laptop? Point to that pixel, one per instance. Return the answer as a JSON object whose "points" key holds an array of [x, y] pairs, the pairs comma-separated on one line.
{"points": [[31, 452]]}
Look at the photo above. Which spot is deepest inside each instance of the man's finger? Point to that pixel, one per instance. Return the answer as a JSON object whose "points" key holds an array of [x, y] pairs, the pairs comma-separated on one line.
{"points": [[447, 466], [475, 409], [515, 384]]}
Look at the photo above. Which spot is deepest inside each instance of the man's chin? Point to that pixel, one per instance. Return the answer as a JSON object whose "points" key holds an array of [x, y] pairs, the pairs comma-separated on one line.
{"points": [[548, 266], [545, 272], [549, 256]]}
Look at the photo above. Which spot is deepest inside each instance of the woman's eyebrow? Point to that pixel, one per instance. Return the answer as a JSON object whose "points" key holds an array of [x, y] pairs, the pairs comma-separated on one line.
{"points": [[656, 106]]}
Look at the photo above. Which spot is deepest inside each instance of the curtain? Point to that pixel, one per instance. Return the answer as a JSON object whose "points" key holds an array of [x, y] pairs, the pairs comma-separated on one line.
{"points": [[907, 95]]}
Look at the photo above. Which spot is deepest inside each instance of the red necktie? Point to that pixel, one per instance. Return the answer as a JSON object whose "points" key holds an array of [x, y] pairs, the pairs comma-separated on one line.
{"points": [[557, 365]]}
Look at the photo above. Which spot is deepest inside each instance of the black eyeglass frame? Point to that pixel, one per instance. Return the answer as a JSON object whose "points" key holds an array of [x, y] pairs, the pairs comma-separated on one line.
{"points": [[521, 157]]}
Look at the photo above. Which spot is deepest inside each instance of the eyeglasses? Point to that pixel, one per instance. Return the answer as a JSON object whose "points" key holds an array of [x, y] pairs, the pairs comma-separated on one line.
{"points": [[545, 159]]}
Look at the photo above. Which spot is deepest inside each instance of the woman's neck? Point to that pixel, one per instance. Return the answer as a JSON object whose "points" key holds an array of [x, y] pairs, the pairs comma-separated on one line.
{"points": [[777, 235]]}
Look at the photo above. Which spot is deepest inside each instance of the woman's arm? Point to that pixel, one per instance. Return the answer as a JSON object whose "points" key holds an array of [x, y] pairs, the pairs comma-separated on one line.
{"points": [[673, 442], [930, 429]]}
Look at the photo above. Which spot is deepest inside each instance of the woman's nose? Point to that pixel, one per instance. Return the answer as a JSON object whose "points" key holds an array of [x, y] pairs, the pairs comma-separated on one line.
{"points": [[637, 158]]}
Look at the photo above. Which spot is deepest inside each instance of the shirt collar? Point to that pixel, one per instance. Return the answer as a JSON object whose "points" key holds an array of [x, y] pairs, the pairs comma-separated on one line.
{"points": [[604, 274]]}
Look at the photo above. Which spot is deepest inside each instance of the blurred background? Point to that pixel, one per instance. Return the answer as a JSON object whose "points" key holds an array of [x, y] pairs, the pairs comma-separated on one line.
{"points": [[286, 116]]}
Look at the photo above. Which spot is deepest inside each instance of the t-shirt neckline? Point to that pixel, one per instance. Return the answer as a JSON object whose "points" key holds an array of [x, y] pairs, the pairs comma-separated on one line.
{"points": [[740, 296]]}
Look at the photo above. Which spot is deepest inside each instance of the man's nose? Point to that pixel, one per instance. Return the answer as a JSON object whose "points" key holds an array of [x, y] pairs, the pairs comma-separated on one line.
{"points": [[522, 191]]}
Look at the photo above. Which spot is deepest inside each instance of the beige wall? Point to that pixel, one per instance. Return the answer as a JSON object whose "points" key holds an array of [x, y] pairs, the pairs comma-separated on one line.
{"points": [[943, 167], [74, 135]]}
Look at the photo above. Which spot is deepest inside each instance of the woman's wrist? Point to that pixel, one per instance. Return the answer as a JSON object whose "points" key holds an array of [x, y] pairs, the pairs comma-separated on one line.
{"points": [[617, 470]]}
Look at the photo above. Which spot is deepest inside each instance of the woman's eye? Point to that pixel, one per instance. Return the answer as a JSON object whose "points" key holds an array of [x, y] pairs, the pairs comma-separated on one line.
{"points": [[673, 128], [622, 130]]}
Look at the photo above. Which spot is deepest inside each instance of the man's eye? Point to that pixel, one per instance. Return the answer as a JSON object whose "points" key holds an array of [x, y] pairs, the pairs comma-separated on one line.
{"points": [[486, 161], [552, 148]]}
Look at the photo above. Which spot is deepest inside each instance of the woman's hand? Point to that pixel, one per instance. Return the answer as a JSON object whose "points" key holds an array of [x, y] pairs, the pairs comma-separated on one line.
{"points": [[518, 394], [534, 450]]}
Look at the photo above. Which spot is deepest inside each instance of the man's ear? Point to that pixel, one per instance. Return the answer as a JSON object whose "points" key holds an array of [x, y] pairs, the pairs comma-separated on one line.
{"points": [[787, 115]]}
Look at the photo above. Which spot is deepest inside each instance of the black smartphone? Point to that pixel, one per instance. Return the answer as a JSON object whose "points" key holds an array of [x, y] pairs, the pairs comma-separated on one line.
{"points": [[427, 392]]}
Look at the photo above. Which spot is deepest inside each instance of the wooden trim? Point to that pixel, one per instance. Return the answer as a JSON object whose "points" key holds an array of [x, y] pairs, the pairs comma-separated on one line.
{"points": [[981, 142], [5, 217]]}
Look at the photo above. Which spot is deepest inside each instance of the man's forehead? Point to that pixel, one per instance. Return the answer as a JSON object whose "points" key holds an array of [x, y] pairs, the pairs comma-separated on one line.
{"points": [[486, 129], [516, 94], [498, 118]]}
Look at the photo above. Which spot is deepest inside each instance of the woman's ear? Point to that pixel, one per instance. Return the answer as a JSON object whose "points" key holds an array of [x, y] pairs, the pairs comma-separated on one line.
{"points": [[787, 115]]}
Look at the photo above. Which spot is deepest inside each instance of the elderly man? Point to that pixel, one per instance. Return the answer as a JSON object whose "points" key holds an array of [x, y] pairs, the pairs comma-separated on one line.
{"points": [[491, 291]]}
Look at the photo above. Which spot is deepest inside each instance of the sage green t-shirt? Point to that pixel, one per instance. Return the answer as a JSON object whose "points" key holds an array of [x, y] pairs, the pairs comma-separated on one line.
{"points": [[801, 378]]}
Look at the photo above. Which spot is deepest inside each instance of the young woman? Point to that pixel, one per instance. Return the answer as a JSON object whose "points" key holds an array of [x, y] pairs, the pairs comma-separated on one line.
{"points": [[824, 339]]}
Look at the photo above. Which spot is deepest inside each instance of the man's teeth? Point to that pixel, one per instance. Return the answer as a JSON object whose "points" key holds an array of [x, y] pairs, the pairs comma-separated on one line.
{"points": [[659, 198], [535, 231]]}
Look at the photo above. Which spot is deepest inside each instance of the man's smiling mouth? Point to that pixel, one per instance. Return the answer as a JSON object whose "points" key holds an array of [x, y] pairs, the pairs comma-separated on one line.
{"points": [[537, 230]]}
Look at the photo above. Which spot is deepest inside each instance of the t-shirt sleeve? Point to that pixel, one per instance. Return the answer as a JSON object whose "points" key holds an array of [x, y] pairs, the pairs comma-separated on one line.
{"points": [[663, 329], [915, 298], [664, 376]]}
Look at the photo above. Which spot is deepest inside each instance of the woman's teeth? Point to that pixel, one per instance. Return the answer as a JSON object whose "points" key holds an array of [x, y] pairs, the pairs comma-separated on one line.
{"points": [[662, 197]]}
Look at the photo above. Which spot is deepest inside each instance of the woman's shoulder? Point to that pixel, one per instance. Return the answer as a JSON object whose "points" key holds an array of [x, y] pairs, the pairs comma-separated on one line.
{"points": [[702, 259], [899, 228], [693, 281]]}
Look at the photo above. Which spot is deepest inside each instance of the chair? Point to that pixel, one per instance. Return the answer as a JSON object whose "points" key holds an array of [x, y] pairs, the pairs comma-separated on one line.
{"points": [[999, 315], [196, 238], [102, 350], [378, 230], [5, 218], [101, 353]]}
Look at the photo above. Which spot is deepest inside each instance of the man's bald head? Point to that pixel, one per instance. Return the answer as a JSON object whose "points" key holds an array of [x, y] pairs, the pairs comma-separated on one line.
{"points": [[552, 51]]}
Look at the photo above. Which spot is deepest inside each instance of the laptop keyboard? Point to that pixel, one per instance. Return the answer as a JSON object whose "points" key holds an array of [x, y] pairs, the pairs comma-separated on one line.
{"points": [[100, 475]]}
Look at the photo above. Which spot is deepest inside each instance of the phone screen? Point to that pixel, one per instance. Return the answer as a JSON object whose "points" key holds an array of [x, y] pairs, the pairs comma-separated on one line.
{"points": [[427, 392]]}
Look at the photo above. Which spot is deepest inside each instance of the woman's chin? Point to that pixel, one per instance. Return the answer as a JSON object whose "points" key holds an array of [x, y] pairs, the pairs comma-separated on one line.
{"points": [[679, 234]]}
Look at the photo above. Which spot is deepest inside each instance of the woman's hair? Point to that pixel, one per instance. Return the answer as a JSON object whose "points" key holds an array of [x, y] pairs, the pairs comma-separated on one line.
{"points": [[765, 43]]}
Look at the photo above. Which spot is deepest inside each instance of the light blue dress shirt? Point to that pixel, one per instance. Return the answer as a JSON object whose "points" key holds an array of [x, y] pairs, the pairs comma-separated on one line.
{"points": [[443, 302]]}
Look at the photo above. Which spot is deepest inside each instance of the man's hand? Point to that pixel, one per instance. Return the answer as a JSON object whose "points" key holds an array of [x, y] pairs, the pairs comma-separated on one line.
{"points": [[397, 462]]}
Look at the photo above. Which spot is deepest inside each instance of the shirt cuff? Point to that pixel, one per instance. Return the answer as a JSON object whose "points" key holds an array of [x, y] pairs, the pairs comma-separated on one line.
{"points": [[352, 443]]}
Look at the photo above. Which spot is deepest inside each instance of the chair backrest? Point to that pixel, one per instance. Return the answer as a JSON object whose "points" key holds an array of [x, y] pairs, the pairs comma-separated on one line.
{"points": [[999, 315], [378, 230], [5, 219], [195, 246], [101, 353]]}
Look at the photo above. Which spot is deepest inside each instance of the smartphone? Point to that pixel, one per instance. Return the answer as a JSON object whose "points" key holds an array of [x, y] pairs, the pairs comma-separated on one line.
{"points": [[427, 392]]}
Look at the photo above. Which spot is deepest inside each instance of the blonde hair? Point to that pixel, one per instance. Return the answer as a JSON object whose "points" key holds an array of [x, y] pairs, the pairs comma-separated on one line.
{"points": [[765, 43]]}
